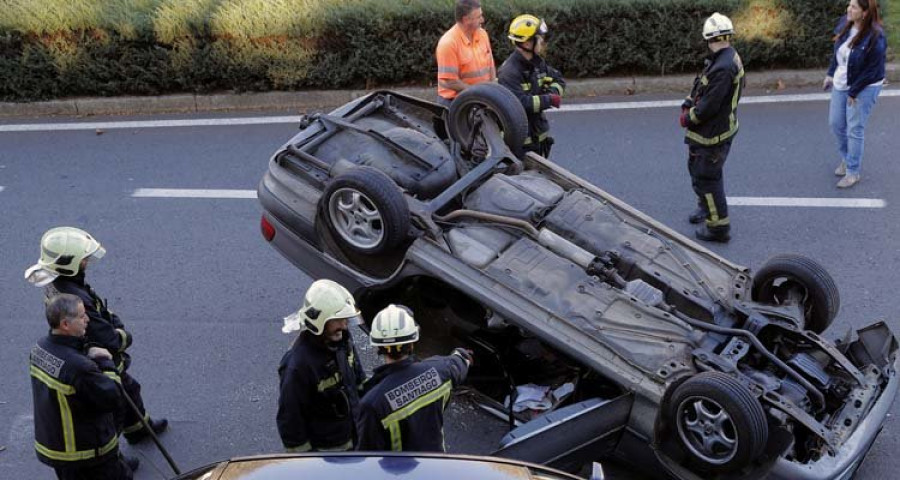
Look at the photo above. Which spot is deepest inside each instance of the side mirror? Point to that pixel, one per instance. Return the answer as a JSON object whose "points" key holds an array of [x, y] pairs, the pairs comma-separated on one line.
{"points": [[597, 472]]}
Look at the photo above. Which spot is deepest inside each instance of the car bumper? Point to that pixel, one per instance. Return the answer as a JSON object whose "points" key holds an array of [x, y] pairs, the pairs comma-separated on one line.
{"points": [[852, 453]]}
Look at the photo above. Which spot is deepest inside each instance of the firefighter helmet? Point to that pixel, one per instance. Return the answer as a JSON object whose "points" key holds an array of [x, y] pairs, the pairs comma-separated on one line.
{"points": [[524, 27], [62, 251], [717, 25], [392, 326], [324, 300]]}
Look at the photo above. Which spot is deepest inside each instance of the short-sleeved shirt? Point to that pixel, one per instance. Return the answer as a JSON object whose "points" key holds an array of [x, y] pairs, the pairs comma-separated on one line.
{"points": [[458, 58]]}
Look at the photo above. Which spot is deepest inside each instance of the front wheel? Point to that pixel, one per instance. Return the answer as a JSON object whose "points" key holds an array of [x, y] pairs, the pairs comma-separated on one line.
{"points": [[720, 424]]}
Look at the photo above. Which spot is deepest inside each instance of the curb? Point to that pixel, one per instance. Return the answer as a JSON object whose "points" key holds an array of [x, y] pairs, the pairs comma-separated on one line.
{"points": [[320, 99]]}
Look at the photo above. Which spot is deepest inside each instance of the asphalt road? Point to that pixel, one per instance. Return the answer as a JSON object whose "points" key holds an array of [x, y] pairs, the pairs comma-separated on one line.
{"points": [[204, 295]]}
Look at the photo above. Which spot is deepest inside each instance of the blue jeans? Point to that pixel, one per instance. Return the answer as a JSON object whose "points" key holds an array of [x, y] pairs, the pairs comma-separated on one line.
{"points": [[849, 123]]}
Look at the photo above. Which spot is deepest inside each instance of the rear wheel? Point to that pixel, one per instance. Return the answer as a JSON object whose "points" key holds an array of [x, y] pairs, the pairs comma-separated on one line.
{"points": [[365, 211], [720, 424], [793, 278], [498, 103]]}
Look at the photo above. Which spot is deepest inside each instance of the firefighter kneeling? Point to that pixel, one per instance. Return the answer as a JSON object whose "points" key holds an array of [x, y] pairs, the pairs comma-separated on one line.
{"points": [[403, 407]]}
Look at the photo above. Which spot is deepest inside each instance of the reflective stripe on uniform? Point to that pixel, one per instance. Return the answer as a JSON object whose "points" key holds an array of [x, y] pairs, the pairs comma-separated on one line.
{"points": [[526, 86], [329, 382], [51, 382], [68, 425], [445, 69], [477, 73], [340, 448], [559, 88], [711, 205], [113, 376], [124, 337], [392, 421], [137, 425], [540, 138], [77, 455], [718, 223], [536, 103], [300, 448]]}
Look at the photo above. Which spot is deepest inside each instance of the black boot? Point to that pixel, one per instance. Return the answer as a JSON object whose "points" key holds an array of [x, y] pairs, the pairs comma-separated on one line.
{"points": [[158, 425], [714, 234], [698, 216]]}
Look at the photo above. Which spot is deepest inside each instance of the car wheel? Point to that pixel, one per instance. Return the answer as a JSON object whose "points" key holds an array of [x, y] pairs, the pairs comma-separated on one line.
{"points": [[365, 210], [720, 424], [787, 277], [500, 103]]}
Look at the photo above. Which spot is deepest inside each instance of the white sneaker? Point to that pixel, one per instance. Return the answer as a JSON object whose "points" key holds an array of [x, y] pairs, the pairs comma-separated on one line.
{"points": [[849, 180], [841, 170]]}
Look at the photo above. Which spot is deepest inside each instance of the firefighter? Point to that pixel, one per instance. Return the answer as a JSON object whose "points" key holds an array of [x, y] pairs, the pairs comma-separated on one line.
{"points": [[321, 375], [537, 85], [76, 399], [403, 407], [709, 116], [65, 254]]}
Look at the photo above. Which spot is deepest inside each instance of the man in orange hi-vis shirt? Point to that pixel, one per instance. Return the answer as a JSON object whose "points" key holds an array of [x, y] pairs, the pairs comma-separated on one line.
{"points": [[464, 55]]}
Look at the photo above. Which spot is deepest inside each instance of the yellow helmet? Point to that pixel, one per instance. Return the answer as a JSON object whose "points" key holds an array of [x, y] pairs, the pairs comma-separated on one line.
{"points": [[524, 27], [717, 25]]}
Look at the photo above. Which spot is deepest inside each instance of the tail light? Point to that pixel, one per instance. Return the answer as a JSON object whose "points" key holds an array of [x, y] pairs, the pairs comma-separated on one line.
{"points": [[268, 231]]}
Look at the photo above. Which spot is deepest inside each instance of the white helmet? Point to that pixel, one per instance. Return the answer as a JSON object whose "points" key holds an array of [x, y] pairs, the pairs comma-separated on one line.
{"points": [[324, 300], [392, 326], [62, 251], [717, 25]]}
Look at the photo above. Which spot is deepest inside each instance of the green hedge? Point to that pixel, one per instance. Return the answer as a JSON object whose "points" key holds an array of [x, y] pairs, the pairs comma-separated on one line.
{"points": [[57, 48]]}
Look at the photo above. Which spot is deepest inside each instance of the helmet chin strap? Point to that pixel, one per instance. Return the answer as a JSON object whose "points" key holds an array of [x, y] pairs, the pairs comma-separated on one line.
{"points": [[532, 41]]}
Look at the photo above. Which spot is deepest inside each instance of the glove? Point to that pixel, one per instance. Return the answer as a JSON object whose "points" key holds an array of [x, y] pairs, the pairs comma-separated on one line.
{"points": [[466, 355], [555, 100], [683, 119], [687, 103]]}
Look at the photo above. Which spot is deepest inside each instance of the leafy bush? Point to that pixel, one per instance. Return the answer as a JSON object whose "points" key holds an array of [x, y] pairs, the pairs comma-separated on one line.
{"points": [[56, 48]]}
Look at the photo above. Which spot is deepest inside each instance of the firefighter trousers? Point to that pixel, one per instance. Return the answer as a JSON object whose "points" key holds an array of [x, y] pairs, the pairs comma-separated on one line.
{"points": [[705, 165]]}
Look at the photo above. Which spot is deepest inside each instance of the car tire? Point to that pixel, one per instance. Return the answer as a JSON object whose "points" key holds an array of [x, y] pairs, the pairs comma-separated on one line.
{"points": [[365, 211], [504, 106], [783, 272], [719, 423]]}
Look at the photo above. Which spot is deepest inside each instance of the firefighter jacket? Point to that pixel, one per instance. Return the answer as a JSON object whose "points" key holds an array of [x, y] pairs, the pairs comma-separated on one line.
{"points": [[75, 400], [319, 398], [532, 81], [403, 407], [105, 329], [713, 118]]}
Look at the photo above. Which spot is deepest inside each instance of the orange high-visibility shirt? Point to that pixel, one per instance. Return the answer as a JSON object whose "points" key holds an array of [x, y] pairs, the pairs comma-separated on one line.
{"points": [[461, 59]]}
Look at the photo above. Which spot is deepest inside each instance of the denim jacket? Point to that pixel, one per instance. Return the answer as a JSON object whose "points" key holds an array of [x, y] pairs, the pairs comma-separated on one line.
{"points": [[867, 58]]}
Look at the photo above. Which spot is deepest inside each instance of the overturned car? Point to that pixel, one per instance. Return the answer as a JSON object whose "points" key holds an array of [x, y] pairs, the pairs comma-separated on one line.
{"points": [[675, 359]]}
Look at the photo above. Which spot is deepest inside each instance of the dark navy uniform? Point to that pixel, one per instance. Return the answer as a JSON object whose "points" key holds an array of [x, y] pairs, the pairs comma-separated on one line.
{"points": [[711, 126], [533, 81], [319, 398], [75, 403], [403, 407], [106, 330]]}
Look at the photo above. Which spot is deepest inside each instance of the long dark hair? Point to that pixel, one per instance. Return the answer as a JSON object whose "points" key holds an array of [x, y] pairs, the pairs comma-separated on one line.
{"points": [[869, 21]]}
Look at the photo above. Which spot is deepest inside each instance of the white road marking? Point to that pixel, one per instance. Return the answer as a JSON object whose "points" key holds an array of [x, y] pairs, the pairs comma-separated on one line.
{"points": [[806, 202], [227, 122], [732, 201], [192, 193], [806, 97]]}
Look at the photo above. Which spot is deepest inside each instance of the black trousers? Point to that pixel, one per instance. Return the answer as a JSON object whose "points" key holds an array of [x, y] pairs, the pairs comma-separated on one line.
{"points": [[113, 469], [542, 148], [705, 165]]}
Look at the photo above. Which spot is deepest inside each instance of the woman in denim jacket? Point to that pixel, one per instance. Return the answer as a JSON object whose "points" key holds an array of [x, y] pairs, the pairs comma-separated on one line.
{"points": [[857, 75]]}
